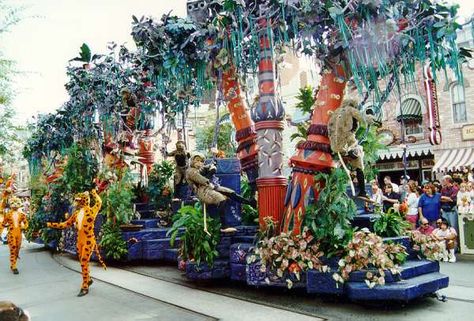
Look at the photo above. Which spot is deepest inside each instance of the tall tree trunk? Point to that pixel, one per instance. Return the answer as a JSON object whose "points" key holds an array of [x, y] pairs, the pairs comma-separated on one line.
{"points": [[268, 115], [313, 155], [245, 129]]}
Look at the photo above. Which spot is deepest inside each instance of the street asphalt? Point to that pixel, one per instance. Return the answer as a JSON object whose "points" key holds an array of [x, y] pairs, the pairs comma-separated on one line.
{"points": [[47, 286]]}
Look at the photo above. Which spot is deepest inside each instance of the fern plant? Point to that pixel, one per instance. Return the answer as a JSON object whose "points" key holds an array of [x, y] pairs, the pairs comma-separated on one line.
{"points": [[329, 218], [196, 244]]}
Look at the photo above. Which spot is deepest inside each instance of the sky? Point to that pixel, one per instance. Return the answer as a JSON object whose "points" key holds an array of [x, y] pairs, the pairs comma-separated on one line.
{"points": [[52, 34], [54, 30]]}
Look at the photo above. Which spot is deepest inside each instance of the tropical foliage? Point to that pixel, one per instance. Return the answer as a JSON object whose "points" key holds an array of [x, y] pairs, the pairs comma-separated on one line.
{"points": [[159, 189], [117, 200], [248, 212], [391, 224], [196, 244], [329, 217], [205, 139], [369, 140], [111, 241]]}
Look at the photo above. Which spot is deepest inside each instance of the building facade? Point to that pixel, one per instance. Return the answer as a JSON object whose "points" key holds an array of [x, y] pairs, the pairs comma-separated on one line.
{"points": [[405, 125]]}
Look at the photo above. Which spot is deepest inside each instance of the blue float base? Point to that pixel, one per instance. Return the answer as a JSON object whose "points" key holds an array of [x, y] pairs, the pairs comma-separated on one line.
{"points": [[220, 270]]}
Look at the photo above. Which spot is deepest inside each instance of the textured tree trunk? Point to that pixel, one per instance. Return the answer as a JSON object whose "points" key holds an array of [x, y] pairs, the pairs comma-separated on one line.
{"points": [[268, 116], [245, 129], [313, 155]]}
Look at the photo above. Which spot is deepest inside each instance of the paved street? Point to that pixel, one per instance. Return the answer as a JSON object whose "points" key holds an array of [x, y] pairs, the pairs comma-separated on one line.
{"points": [[47, 288]]}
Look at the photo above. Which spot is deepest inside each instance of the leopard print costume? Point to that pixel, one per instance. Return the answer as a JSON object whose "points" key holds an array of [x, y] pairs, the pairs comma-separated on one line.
{"points": [[84, 218], [16, 222], [7, 192]]}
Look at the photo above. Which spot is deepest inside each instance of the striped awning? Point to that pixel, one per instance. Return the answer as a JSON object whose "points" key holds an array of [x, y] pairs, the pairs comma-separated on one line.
{"points": [[412, 151], [411, 110], [454, 160]]}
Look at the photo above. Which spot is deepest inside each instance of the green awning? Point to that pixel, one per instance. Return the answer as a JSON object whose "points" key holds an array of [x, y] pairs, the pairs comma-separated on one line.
{"points": [[411, 110]]}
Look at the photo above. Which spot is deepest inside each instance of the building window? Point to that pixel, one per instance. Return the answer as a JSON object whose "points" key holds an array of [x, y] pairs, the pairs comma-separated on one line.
{"points": [[459, 103], [413, 127]]}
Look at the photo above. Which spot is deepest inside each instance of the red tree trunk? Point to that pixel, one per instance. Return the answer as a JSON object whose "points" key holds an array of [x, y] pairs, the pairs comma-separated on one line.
{"points": [[243, 123], [313, 155]]}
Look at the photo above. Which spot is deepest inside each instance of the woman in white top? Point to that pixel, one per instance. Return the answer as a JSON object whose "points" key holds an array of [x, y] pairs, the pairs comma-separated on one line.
{"points": [[446, 237], [463, 199], [471, 193], [412, 202]]}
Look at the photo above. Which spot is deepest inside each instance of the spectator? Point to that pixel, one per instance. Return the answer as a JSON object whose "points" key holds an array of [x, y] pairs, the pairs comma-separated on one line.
{"points": [[446, 236], [412, 202], [376, 197], [471, 193], [449, 201], [470, 176], [10, 312], [463, 199], [404, 187], [389, 198], [425, 227], [387, 180], [437, 186], [429, 204]]}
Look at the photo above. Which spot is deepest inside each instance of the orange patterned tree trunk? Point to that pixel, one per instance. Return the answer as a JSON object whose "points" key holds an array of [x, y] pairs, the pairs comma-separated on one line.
{"points": [[314, 154], [243, 123], [268, 115]]}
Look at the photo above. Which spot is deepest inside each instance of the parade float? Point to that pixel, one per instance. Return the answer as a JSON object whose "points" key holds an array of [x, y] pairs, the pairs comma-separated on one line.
{"points": [[313, 231]]}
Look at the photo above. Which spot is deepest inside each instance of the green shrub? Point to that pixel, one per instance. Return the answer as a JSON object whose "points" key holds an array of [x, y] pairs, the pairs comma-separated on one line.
{"points": [[117, 200], [112, 242], [196, 244], [391, 224], [329, 218]]}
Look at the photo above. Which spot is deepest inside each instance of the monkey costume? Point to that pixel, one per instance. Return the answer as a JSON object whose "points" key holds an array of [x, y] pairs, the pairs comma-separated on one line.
{"points": [[207, 192], [342, 127], [181, 159]]}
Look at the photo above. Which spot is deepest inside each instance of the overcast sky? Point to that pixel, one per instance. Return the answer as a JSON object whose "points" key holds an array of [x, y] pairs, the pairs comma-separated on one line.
{"points": [[42, 45]]}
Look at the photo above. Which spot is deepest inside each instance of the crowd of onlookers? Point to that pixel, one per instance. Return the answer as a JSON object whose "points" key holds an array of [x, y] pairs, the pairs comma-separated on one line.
{"points": [[432, 207]]}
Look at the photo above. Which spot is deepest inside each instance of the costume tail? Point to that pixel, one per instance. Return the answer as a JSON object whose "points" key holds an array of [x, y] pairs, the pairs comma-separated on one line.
{"points": [[348, 173], [101, 261]]}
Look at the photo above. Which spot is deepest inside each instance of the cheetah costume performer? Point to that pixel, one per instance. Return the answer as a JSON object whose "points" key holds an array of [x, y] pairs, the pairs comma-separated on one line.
{"points": [[16, 222], [7, 192], [84, 219]]}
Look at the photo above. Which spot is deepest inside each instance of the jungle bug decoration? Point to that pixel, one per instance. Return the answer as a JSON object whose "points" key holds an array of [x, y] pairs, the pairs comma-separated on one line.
{"points": [[433, 108]]}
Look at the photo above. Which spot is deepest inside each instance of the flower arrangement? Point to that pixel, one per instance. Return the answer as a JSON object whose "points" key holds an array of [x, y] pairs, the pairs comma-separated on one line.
{"points": [[288, 255], [367, 251], [425, 246]]}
